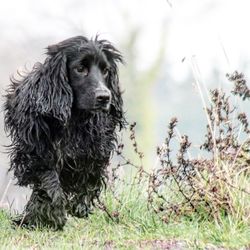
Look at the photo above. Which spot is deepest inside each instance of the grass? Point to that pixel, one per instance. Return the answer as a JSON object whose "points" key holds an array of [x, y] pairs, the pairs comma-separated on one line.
{"points": [[136, 227]]}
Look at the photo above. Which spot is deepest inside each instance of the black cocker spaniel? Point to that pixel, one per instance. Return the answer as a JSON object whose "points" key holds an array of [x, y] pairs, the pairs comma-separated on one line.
{"points": [[62, 118]]}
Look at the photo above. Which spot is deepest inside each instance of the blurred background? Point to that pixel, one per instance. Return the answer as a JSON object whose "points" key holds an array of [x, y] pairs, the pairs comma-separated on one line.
{"points": [[168, 45]]}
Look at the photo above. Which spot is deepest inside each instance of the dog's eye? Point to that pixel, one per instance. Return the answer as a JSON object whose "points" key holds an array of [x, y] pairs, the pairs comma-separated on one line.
{"points": [[105, 72], [82, 70]]}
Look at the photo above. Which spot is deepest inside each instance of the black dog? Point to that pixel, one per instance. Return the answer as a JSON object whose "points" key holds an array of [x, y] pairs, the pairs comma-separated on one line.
{"points": [[62, 118]]}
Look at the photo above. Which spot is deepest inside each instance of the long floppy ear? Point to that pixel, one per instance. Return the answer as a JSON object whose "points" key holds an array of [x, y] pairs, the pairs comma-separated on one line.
{"points": [[114, 57], [42, 95], [54, 94], [45, 90]]}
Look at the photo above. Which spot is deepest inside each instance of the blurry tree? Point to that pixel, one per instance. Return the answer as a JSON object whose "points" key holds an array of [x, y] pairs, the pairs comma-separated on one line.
{"points": [[139, 88]]}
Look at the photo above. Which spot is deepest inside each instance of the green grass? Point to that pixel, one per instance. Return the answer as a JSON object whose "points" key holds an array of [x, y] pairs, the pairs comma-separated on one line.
{"points": [[136, 228]]}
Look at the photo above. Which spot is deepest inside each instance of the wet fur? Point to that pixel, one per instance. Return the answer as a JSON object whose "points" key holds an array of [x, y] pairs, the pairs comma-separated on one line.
{"points": [[61, 152]]}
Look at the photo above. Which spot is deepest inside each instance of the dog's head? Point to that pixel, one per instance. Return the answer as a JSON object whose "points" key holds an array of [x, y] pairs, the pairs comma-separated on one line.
{"points": [[79, 74], [91, 67]]}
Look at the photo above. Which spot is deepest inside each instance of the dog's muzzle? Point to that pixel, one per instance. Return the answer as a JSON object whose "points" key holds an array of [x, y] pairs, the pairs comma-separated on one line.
{"points": [[102, 98]]}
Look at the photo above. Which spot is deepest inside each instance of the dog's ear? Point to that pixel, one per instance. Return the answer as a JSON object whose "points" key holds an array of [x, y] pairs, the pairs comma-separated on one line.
{"points": [[114, 57], [45, 90], [42, 95], [54, 94]]}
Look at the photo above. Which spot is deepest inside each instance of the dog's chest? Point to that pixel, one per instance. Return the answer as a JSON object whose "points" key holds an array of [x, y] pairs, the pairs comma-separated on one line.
{"points": [[86, 142]]}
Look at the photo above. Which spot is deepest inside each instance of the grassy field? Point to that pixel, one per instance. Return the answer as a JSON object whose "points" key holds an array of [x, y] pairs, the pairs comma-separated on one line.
{"points": [[135, 228]]}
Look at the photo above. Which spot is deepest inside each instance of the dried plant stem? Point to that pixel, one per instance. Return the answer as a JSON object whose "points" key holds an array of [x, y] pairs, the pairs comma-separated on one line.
{"points": [[195, 71]]}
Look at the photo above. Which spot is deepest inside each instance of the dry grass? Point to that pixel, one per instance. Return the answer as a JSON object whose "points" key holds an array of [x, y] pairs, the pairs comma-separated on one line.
{"points": [[210, 187]]}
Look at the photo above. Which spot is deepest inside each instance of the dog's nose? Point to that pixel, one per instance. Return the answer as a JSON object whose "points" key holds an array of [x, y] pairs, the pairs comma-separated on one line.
{"points": [[103, 97]]}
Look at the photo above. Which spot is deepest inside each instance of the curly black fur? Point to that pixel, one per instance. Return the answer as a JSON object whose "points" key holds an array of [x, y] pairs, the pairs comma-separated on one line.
{"points": [[62, 118]]}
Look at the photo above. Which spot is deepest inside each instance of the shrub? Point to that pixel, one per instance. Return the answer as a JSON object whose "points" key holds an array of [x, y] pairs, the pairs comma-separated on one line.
{"points": [[211, 186]]}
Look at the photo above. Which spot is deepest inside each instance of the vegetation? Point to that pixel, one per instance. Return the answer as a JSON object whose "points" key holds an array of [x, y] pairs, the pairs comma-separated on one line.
{"points": [[183, 202]]}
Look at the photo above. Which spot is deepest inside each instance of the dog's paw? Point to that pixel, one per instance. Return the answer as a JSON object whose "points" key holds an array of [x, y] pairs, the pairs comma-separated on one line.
{"points": [[80, 210], [22, 222]]}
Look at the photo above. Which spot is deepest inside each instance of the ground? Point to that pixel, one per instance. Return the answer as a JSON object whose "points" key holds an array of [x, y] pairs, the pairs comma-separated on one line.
{"points": [[134, 231]]}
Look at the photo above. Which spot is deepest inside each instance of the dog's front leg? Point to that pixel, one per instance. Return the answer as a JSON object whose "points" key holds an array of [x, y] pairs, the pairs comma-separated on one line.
{"points": [[50, 183], [46, 206]]}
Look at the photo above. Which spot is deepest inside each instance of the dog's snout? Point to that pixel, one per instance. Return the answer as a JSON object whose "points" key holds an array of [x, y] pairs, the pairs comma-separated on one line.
{"points": [[103, 97]]}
